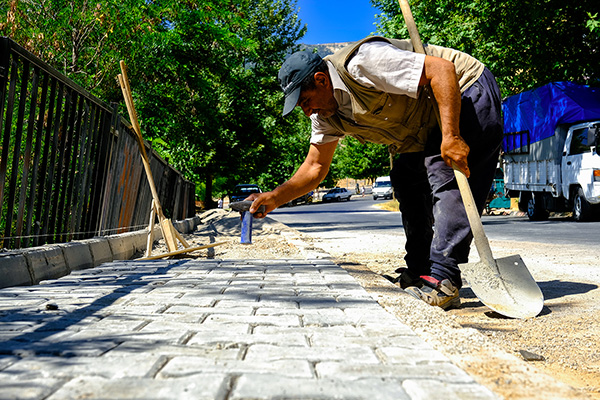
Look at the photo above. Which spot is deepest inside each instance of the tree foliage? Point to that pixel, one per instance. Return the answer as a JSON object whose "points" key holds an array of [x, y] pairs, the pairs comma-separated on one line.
{"points": [[361, 160], [525, 43], [81, 39], [213, 75], [202, 72]]}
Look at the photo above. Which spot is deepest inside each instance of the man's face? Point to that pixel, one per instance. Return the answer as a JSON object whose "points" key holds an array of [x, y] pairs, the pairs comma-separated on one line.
{"points": [[319, 100]]}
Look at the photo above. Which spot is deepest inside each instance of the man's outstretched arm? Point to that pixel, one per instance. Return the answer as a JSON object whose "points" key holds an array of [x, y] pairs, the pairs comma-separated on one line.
{"points": [[312, 171]]}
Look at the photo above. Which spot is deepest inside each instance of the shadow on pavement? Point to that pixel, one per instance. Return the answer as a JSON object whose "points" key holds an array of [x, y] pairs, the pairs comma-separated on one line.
{"points": [[551, 290]]}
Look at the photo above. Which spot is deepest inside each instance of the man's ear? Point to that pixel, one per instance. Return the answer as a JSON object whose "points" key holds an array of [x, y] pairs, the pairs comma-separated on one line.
{"points": [[321, 78]]}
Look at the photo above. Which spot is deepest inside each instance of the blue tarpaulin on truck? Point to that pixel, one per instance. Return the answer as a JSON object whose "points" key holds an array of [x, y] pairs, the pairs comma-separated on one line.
{"points": [[533, 115]]}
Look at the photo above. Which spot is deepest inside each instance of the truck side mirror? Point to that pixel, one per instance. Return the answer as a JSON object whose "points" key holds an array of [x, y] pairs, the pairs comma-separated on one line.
{"points": [[592, 136]]}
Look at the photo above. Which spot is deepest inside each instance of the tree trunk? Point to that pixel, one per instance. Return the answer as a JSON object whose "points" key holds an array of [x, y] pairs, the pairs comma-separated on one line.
{"points": [[208, 200]]}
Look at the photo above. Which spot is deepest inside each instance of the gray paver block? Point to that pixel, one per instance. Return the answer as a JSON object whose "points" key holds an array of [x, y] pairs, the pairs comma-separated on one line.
{"points": [[328, 317], [264, 386], [174, 350], [428, 389], [77, 255], [210, 387], [418, 355], [443, 372], [56, 343], [264, 352], [46, 263], [44, 367], [227, 339], [7, 361], [28, 389], [13, 270], [278, 320], [186, 366], [106, 340]]}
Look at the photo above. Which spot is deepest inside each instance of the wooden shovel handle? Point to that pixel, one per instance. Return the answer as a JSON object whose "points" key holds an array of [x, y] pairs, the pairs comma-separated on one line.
{"points": [[481, 241], [413, 32]]}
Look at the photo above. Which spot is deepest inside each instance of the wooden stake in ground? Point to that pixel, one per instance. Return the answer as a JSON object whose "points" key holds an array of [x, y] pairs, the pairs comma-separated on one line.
{"points": [[170, 234]]}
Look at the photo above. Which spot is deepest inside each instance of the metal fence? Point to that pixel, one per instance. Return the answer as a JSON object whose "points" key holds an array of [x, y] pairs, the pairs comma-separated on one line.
{"points": [[70, 167]]}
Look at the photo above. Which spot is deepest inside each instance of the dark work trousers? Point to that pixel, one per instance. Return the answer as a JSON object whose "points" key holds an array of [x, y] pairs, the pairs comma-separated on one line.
{"points": [[438, 234]]}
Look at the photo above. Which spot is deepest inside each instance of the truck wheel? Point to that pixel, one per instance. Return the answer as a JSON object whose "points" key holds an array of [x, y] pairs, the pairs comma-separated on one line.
{"points": [[582, 211], [535, 208]]}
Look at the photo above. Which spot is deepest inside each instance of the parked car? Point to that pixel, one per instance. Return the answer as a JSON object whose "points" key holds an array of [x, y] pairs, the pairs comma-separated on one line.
{"points": [[240, 192], [305, 198], [337, 194]]}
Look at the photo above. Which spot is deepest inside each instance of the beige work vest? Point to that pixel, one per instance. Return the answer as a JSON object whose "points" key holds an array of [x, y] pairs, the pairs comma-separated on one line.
{"points": [[396, 120]]}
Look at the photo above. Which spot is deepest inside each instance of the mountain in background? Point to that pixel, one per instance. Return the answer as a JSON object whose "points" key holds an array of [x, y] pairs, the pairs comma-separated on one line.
{"points": [[324, 49]]}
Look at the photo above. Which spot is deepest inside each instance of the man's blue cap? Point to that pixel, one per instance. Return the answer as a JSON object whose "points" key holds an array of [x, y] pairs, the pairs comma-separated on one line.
{"points": [[293, 71]]}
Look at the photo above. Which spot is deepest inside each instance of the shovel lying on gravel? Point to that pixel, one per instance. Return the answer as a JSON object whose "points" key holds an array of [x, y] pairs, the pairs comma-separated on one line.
{"points": [[505, 284]]}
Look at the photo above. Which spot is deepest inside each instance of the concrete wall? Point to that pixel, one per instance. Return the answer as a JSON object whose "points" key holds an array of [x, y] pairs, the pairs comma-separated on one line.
{"points": [[33, 265]]}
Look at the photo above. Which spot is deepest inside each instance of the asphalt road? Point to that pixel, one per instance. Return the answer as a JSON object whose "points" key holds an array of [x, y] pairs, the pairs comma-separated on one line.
{"points": [[361, 214]]}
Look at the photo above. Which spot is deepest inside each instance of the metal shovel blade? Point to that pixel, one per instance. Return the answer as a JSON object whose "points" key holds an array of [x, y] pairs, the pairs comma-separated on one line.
{"points": [[507, 287]]}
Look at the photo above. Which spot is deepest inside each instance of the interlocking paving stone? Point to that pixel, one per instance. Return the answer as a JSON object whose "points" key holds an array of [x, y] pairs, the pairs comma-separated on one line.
{"points": [[215, 329]]}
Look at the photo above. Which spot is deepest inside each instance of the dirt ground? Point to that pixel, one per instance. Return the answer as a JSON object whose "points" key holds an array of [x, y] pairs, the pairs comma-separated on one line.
{"points": [[563, 340], [553, 356]]}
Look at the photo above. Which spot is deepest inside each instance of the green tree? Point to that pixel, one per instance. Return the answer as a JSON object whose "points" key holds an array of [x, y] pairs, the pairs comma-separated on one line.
{"points": [[208, 91], [361, 160], [83, 40], [203, 76], [525, 43]]}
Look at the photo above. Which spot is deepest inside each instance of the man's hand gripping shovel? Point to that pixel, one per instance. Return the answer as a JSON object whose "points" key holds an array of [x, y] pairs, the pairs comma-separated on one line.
{"points": [[505, 284]]}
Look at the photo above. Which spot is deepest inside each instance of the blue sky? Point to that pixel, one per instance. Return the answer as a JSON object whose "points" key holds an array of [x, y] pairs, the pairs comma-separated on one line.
{"points": [[333, 21]]}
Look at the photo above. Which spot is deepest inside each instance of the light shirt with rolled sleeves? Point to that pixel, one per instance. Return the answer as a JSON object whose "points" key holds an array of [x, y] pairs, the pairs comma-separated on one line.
{"points": [[378, 65]]}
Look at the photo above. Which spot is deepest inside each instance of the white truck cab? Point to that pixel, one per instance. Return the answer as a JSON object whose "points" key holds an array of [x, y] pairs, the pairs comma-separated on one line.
{"points": [[580, 167]]}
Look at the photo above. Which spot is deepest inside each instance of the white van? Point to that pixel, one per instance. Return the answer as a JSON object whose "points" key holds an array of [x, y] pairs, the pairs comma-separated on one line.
{"points": [[383, 188]]}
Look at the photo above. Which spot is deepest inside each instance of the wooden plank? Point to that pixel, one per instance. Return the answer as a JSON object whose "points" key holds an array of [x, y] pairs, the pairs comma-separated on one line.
{"points": [[150, 239], [182, 251]]}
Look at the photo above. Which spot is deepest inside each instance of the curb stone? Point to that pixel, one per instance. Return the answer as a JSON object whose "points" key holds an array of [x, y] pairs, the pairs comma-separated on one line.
{"points": [[32, 265]]}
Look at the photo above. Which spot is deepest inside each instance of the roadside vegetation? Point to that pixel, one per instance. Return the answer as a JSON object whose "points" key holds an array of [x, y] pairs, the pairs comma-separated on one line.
{"points": [[203, 73]]}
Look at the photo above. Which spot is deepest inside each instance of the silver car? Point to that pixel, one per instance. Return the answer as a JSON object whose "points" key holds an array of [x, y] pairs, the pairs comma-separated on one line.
{"points": [[337, 194]]}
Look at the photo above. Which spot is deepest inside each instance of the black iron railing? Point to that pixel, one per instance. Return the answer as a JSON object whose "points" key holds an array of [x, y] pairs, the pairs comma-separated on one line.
{"points": [[70, 167]]}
